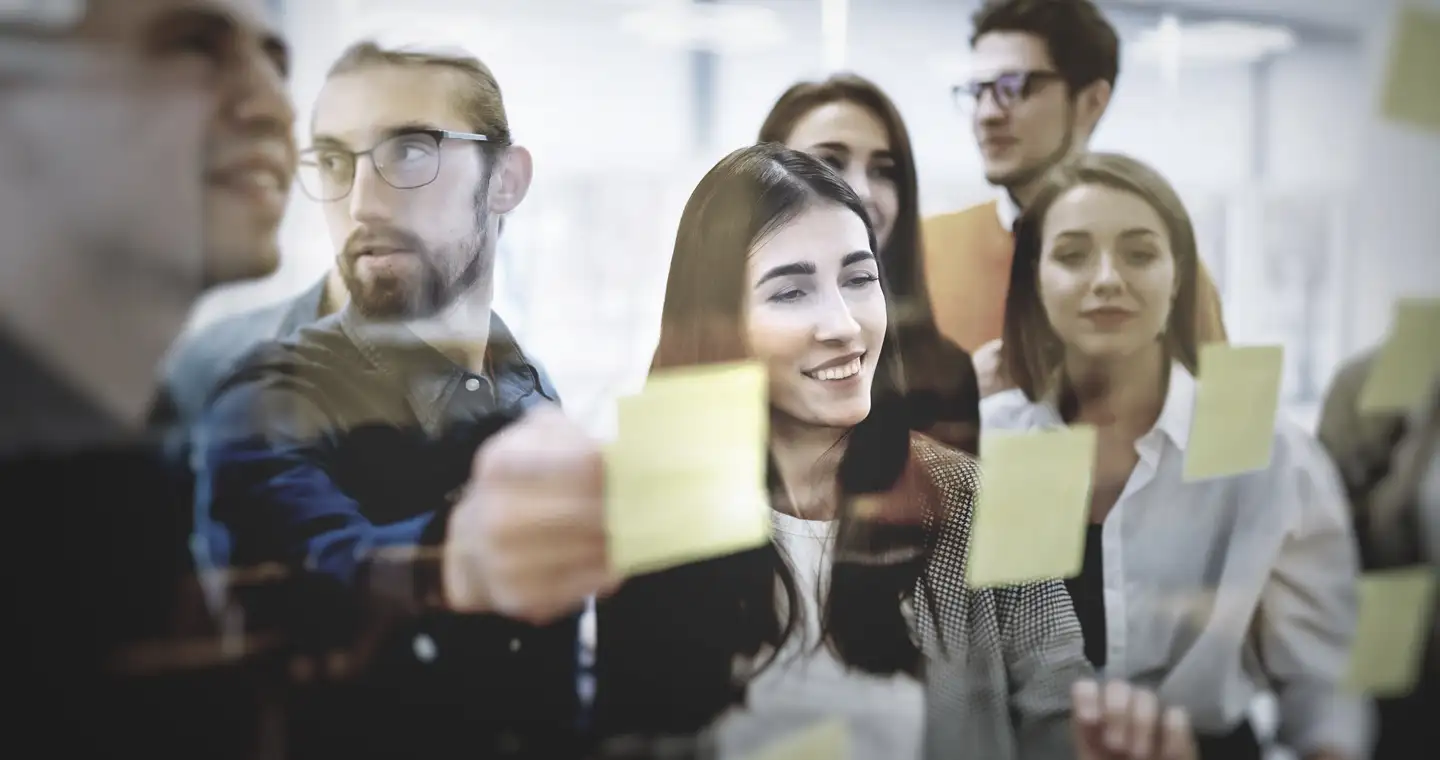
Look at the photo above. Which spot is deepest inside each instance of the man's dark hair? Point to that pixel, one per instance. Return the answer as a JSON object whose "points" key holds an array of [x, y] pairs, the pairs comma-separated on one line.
{"points": [[1083, 45]]}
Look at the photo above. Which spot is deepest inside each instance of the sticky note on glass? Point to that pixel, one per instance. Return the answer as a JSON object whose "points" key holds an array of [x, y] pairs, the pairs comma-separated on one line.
{"points": [[827, 740], [1034, 497], [1232, 429], [1412, 92], [685, 475], [1395, 617], [1407, 368]]}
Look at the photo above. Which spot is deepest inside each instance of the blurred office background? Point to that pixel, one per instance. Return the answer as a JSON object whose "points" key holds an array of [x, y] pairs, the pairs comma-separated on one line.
{"points": [[1313, 212]]}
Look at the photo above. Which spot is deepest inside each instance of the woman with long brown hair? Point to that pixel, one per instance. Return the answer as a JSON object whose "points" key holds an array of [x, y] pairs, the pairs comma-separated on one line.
{"points": [[858, 608], [1215, 591], [849, 123]]}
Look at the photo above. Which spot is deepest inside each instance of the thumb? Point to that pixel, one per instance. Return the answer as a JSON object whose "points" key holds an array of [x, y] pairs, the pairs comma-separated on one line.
{"points": [[1085, 720]]}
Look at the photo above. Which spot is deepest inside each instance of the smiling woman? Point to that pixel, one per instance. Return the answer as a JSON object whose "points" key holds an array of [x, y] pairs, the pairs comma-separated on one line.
{"points": [[862, 616], [1101, 330]]}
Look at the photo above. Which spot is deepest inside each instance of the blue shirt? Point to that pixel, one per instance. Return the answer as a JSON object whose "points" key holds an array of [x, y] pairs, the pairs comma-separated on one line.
{"points": [[328, 450]]}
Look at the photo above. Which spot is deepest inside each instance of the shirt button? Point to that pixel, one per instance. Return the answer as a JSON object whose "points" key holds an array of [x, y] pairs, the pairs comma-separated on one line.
{"points": [[425, 649], [472, 384], [515, 645]]}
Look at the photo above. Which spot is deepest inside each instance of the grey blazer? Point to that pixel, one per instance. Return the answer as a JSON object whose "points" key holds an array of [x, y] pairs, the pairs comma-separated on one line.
{"points": [[1000, 662]]}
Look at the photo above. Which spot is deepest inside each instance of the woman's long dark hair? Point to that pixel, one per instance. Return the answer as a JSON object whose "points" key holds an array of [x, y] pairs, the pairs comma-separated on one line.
{"points": [[747, 196], [939, 375], [1032, 353]]}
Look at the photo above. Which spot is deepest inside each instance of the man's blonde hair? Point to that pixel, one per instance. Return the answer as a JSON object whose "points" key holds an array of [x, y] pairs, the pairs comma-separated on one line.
{"points": [[478, 99]]}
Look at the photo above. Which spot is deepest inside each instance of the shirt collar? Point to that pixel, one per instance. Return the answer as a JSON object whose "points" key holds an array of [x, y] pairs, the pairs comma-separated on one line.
{"points": [[1006, 209], [1175, 414], [430, 376], [1179, 407]]}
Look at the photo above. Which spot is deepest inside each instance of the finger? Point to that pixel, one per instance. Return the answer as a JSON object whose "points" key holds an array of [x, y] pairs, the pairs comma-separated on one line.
{"points": [[1085, 717], [543, 595], [1177, 742], [1085, 699], [613, 582], [557, 498], [558, 601], [542, 564], [1117, 715], [1144, 716]]}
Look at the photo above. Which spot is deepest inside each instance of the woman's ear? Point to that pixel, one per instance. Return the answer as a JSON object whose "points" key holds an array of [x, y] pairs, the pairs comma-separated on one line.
{"points": [[510, 179]]}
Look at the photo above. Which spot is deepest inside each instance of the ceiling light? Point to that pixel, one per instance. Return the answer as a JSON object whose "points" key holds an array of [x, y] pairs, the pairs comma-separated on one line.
{"points": [[1214, 42], [440, 33], [708, 26]]}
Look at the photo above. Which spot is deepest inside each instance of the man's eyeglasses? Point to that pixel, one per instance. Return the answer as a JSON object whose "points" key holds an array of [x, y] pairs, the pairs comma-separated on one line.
{"points": [[1008, 89], [405, 161]]}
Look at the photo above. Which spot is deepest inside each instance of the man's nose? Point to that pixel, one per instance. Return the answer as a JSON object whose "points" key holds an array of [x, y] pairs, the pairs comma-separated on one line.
{"points": [[254, 99], [370, 195], [987, 108]]}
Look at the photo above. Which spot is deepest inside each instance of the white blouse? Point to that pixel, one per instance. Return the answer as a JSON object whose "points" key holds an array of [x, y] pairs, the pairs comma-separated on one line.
{"points": [[807, 683], [1218, 590]]}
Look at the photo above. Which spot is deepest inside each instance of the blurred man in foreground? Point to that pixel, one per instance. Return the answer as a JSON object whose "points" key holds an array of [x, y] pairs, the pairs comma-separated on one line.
{"points": [[145, 155]]}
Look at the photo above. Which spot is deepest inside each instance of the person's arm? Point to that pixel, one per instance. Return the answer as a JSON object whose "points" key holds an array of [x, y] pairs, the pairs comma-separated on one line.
{"points": [[1307, 617], [263, 475], [1045, 657]]}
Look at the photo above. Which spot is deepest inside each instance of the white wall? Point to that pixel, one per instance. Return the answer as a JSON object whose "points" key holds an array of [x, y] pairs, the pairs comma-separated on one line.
{"points": [[1398, 221], [609, 120]]}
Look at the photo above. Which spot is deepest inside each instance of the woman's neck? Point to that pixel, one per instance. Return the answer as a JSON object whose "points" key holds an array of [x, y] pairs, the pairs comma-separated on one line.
{"points": [[1127, 392], [808, 460]]}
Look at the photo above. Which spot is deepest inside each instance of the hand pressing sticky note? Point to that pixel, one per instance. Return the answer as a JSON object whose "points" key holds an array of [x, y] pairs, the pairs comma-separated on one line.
{"points": [[1395, 611], [1034, 497], [827, 740], [1408, 366], [1412, 92], [1232, 427], [685, 476]]}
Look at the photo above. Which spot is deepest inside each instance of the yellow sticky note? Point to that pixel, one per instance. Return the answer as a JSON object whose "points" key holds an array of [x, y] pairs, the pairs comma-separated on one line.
{"points": [[1395, 611], [1412, 91], [1408, 365], [826, 740], [1232, 429], [1034, 497], [685, 476]]}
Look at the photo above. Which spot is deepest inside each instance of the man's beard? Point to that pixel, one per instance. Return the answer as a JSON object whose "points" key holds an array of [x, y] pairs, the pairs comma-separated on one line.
{"points": [[422, 294]]}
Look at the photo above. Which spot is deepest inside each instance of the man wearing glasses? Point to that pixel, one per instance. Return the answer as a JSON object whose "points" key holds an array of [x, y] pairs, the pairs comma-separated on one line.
{"points": [[1044, 71], [338, 451]]}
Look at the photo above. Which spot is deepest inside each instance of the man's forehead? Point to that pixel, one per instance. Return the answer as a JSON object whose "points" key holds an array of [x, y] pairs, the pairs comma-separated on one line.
{"points": [[361, 106], [1000, 52], [120, 19]]}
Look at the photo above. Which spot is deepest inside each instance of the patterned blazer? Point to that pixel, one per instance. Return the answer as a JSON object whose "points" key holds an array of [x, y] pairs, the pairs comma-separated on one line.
{"points": [[1000, 662]]}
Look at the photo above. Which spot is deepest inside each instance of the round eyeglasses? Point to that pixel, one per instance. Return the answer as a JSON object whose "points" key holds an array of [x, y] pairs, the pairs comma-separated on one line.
{"points": [[405, 161], [1008, 89]]}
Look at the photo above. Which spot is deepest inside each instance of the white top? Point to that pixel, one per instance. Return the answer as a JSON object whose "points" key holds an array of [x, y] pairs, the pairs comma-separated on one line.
{"points": [[1219, 590], [1006, 208], [808, 683]]}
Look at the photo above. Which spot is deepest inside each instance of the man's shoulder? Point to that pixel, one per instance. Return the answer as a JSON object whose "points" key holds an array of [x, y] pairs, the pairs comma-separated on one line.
{"points": [[981, 215], [223, 341], [314, 352]]}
